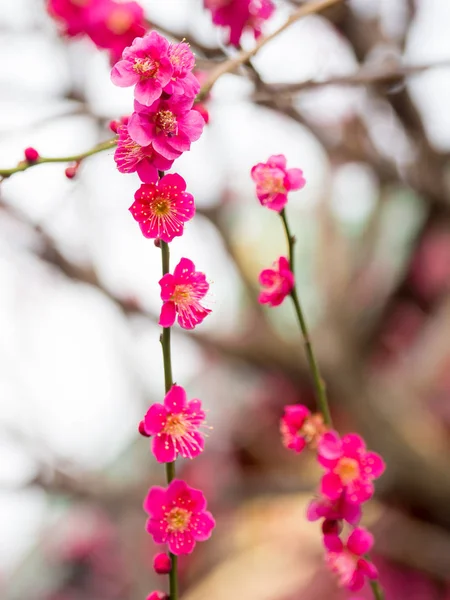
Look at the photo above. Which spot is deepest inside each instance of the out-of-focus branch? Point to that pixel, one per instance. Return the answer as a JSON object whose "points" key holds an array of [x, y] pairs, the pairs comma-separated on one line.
{"points": [[367, 75]]}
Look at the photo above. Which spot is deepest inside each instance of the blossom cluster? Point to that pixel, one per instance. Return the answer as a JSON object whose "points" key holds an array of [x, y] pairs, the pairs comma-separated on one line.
{"points": [[163, 126], [349, 469], [110, 24], [240, 15]]}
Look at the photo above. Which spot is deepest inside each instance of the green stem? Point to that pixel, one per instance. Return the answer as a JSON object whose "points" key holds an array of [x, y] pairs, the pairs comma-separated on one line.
{"points": [[24, 165], [168, 381], [319, 384], [376, 590]]}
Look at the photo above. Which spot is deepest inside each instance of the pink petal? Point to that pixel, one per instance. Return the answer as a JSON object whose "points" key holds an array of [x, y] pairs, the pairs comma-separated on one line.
{"points": [[167, 284], [204, 524], [177, 489], [155, 527], [283, 264], [183, 268], [295, 414], [173, 180], [277, 160], [297, 444], [330, 446], [163, 448], [155, 419], [357, 582], [333, 543], [147, 172], [195, 412], [192, 446], [331, 486], [181, 543], [175, 400], [314, 511], [367, 568], [168, 313], [192, 318], [140, 130], [360, 541], [154, 501], [295, 179], [360, 491], [374, 465], [123, 74], [267, 277], [353, 445], [147, 91], [351, 512]]}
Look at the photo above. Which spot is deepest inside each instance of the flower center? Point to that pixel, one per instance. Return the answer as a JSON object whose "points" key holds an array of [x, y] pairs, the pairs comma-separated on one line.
{"points": [[175, 426], [119, 21], [166, 122], [312, 429], [272, 182], [161, 206], [344, 565], [146, 67], [182, 295], [348, 470], [178, 519]]}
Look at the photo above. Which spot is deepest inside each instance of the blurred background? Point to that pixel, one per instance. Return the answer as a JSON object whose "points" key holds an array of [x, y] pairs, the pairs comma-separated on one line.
{"points": [[358, 98]]}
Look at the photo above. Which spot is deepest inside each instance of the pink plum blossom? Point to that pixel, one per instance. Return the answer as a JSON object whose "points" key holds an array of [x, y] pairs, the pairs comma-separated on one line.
{"points": [[146, 65], [334, 510], [346, 560], [348, 467], [178, 517], [113, 25], [299, 427], [274, 181], [183, 82], [130, 157], [162, 564], [239, 15], [162, 208], [277, 282], [169, 125], [181, 294], [175, 425]]}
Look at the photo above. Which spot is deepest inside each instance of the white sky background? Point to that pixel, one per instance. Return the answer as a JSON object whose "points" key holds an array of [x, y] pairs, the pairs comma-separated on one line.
{"points": [[72, 370]]}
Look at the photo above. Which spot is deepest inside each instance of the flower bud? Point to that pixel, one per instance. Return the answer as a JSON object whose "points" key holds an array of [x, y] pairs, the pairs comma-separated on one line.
{"points": [[162, 564], [141, 429], [31, 155]]}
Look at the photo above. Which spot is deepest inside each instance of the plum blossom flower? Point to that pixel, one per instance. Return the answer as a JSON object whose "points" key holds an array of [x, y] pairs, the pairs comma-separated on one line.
{"points": [[169, 124], [162, 208], [346, 560], [278, 282], [181, 294], [146, 65], [183, 82], [299, 427], [274, 181], [178, 517], [130, 157], [162, 564], [334, 510], [239, 15], [348, 467], [113, 24], [175, 425]]}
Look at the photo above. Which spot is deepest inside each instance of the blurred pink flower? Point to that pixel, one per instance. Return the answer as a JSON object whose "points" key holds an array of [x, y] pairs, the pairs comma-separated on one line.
{"points": [[175, 425], [334, 510], [274, 181], [181, 294], [162, 208], [158, 596], [278, 282], [169, 124], [299, 427], [146, 65], [71, 14], [348, 467], [346, 560], [130, 157], [239, 15], [178, 517]]}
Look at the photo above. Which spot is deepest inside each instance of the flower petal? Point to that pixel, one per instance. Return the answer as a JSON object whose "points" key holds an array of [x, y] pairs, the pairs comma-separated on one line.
{"points": [[163, 448], [154, 501], [176, 399], [360, 541], [168, 313], [155, 419], [331, 486]]}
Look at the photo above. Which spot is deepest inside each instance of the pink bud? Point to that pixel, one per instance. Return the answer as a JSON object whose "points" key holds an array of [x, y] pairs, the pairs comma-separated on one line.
{"points": [[158, 596], [114, 125], [162, 564], [31, 155], [157, 242], [201, 108], [72, 170], [330, 526], [141, 429]]}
